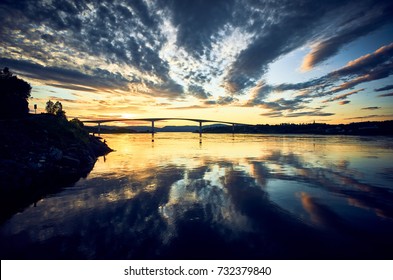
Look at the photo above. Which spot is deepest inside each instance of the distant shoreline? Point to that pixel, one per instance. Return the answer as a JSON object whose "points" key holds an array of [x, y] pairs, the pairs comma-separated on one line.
{"points": [[380, 128]]}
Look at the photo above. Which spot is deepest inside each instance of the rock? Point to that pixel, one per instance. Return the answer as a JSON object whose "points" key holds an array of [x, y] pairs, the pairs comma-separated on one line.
{"points": [[70, 161], [40, 154], [55, 153]]}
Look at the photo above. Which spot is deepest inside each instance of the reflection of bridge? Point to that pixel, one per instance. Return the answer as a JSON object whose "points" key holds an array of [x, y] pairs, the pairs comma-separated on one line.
{"points": [[153, 120]]}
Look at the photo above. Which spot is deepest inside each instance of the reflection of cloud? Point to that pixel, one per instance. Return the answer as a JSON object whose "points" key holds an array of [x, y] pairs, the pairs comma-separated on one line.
{"points": [[209, 194], [336, 179], [320, 214], [208, 202]]}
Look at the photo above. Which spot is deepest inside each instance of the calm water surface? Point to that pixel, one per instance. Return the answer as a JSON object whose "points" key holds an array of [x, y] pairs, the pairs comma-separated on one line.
{"points": [[241, 197]]}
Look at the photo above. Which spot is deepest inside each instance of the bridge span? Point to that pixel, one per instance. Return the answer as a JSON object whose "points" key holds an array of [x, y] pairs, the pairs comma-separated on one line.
{"points": [[153, 120]]}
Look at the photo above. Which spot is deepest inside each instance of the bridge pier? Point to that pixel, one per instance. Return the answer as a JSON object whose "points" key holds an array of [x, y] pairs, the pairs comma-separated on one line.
{"points": [[200, 132], [99, 129], [152, 131]]}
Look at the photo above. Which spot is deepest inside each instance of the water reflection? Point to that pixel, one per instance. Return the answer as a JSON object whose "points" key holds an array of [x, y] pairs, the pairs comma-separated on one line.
{"points": [[247, 197]]}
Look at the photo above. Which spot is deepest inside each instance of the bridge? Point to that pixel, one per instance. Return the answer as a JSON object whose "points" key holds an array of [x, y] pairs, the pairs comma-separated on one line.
{"points": [[154, 120]]}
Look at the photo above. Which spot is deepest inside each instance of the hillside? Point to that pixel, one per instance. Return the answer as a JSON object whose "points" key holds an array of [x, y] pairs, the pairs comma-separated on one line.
{"points": [[40, 154]]}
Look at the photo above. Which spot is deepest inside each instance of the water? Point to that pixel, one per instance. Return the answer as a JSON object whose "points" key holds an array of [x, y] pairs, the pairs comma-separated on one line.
{"points": [[241, 197]]}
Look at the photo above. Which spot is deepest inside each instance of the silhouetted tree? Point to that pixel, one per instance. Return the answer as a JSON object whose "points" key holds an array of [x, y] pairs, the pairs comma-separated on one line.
{"points": [[50, 107], [58, 107], [77, 122], [55, 109], [14, 93]]}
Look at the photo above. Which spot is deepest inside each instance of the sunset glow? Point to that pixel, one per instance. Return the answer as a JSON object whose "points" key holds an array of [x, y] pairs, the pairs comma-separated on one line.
{"points": [[257, 62]]}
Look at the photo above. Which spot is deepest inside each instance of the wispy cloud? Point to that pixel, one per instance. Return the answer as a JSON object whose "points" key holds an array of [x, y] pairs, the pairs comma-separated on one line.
{"points": [[344, 102], [370, 117], [371, 108], [388, 87], [317, 113], [386, 94], [66, 78], [342, 96]]}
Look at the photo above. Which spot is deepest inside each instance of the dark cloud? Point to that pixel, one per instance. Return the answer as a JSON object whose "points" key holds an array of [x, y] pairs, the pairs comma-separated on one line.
{"points": [[386, 94], [188, 107], [371, 108], [72, 87], [388, 87], [370, 117], [120, 32], [198, 21], [344, 102], [66, 76], [272, 114], [371, 62], [293, 24], [169, 89], [283, 106], [368, 17], [222, 100], [343, 96], [198, 92], [315, 113]]}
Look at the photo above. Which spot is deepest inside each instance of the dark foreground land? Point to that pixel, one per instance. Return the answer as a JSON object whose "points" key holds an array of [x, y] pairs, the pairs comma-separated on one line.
{"points": [[40, 154]]}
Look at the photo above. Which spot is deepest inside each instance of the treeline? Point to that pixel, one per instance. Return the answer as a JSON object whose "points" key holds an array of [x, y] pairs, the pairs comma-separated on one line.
{"points": [[357, 128]]}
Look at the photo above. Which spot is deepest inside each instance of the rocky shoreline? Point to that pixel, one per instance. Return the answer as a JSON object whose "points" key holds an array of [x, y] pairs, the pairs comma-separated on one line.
{"points": [[40, 154]]}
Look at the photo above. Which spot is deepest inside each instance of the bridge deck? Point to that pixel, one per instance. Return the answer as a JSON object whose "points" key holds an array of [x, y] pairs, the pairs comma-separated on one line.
{"points": [[99, 121]]}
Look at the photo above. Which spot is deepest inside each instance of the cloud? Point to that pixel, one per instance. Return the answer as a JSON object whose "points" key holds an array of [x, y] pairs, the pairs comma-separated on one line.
{"points": [[371, 108], [291, 108], [386, 94], [370, 117], [388, 87], [292, 25], [198, 22], [366, 18], [222, 100], [96, 35], [316, 113], [272, 114], [370, 62], [72, 87], [71, 79], [370, 67], [344, 102], [343, 96], [198, 92], [187, 107]]}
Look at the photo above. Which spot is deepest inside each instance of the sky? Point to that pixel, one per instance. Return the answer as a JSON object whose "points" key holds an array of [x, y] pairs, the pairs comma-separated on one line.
{"points": [[256, 62]]}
